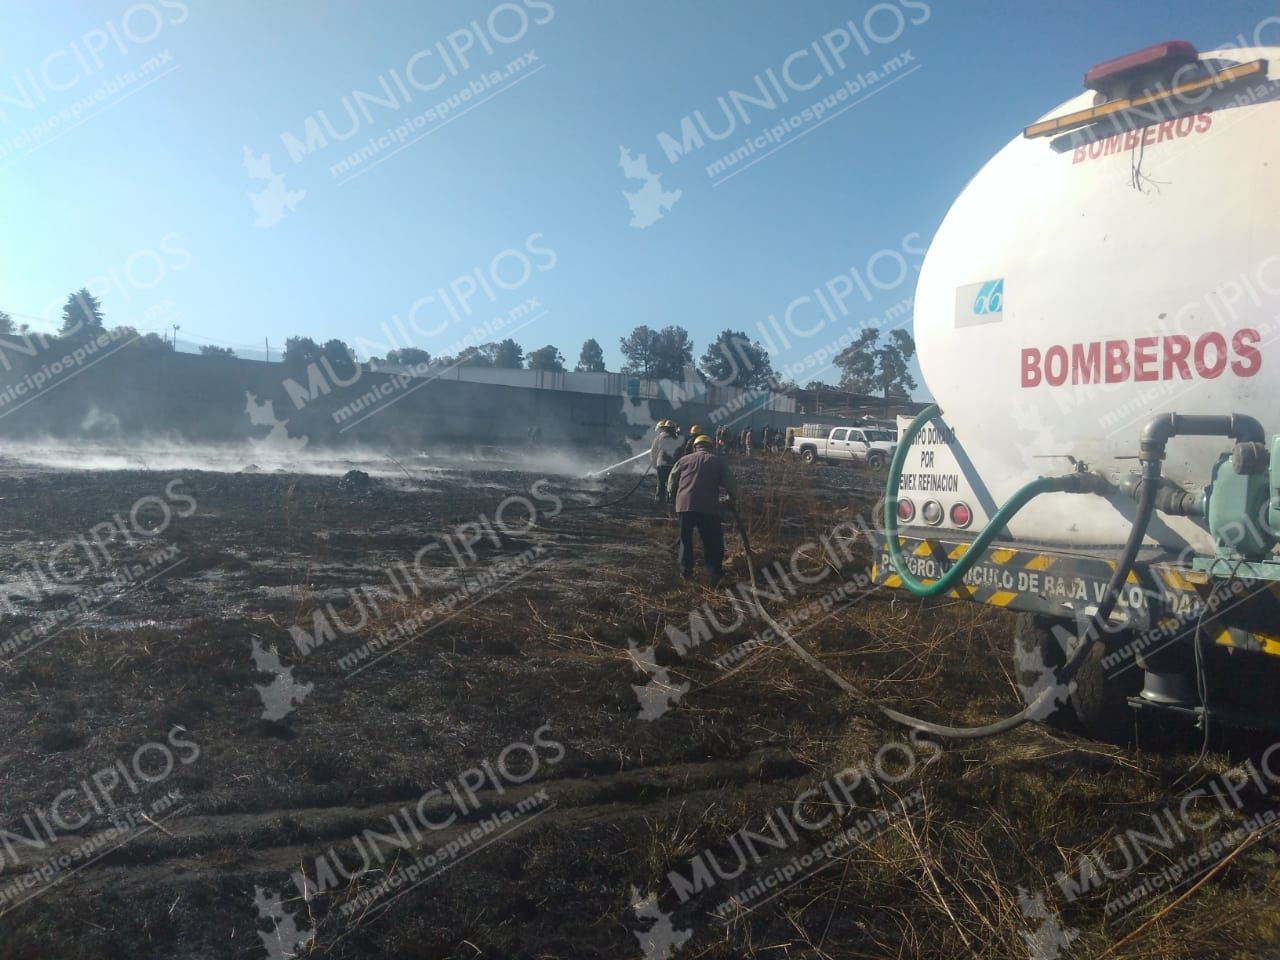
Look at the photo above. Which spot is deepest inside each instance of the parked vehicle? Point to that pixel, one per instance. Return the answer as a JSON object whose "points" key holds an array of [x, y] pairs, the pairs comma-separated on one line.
{"points": [[874, 448]]}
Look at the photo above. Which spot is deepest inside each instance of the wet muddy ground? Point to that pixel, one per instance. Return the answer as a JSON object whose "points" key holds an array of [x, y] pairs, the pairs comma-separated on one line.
{"points": [[440, 712]]}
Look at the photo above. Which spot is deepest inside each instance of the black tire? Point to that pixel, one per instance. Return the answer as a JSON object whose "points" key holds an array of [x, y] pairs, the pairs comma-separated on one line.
{"points": [[1100, 701], [808, 455], [1035, 649], [875, 461], [1097, 704]]}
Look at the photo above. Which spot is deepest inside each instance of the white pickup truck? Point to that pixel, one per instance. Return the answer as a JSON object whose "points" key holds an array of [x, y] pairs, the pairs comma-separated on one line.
{"points": [[873, 447]]}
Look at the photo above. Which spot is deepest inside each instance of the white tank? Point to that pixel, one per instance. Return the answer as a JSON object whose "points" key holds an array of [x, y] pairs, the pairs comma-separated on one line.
{"points": [[1076, 288]]}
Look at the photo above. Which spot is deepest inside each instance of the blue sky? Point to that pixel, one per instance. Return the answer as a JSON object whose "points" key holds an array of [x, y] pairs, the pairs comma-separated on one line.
{"points": [[148, 198]]}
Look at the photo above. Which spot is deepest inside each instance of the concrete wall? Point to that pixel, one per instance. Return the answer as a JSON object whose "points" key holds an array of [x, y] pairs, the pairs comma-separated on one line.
{"points": [[134, 393], [607, 384]]}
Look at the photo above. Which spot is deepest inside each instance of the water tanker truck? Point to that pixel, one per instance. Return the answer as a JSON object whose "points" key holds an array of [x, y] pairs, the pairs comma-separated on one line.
{"points": [[1098, 320]]}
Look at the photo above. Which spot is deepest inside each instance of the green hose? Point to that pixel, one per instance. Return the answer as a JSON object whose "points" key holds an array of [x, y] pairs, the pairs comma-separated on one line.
{"points": [[1080, 482], [997, 523]]}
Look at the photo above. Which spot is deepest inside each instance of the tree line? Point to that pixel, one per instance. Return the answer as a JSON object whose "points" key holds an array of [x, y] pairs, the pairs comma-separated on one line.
{"points": [[868, 366], [83, 320]]}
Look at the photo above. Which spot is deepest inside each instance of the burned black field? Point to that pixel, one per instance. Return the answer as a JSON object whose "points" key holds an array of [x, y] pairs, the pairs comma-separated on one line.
{"points": [[466, 713]]}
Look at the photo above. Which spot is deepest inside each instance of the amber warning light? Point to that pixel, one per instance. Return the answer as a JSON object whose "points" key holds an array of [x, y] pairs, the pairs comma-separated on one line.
{"points": [[1115, 77]]}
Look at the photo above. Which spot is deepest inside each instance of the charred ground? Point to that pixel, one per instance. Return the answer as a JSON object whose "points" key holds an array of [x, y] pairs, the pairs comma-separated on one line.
{"points": [[556, 641]]}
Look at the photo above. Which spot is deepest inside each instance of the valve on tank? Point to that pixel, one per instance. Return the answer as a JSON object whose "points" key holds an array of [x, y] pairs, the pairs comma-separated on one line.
{"points": [[1240, 511], [1170, 498]]}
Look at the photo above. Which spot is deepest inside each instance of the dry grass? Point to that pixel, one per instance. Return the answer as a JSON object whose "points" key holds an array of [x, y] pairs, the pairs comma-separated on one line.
{"points": [[961, 873], [957, 876], [782, 508], [1000, 820]]}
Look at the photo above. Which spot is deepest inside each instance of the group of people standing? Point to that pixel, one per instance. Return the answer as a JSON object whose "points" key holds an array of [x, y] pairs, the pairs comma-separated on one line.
{"points": [[690, 476], [746, 442]]}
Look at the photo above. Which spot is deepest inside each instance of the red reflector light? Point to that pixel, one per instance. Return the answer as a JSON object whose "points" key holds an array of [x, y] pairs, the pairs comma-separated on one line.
{"points": [[906, 510], [961, 515], [1170, 53], [931, 512]]}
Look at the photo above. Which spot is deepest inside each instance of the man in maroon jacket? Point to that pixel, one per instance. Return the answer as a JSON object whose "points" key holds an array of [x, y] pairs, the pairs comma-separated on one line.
{"points": [[694, 486]]}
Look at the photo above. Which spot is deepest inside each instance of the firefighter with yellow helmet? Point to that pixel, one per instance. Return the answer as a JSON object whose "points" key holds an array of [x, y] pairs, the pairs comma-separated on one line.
{"points": [[663, 452], [695, 431]]}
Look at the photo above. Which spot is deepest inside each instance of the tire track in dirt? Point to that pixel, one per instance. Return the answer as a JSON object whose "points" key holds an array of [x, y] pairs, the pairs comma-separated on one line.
{"points": [[204, 849]]}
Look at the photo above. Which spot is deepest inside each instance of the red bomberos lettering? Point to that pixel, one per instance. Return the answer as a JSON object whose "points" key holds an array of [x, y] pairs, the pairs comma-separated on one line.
{"points": [[1146, 137], [1173, 357]]}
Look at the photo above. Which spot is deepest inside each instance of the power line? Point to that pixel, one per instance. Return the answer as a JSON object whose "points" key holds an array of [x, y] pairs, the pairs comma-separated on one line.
{"points": [[222, 343], [191, 334]]}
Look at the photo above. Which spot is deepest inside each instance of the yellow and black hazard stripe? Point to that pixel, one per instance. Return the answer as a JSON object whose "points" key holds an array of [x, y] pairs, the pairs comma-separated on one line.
{"points": [[1162, 596], [932, 549], [996, 583], [1245, 640], [1022, 578]]}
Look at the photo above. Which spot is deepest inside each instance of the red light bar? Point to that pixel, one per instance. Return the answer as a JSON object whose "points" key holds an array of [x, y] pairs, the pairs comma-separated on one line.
{"points": [[1169, 53], [1082, 118]]}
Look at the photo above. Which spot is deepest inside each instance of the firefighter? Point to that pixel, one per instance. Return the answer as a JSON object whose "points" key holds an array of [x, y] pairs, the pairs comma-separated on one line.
{"points": [[694, 486], [766, 435], [694, 432], [663, 452]]}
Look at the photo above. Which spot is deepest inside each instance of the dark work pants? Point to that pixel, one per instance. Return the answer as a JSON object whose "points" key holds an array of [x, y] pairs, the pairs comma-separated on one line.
{"points": [[663, 474], [708, 527]]}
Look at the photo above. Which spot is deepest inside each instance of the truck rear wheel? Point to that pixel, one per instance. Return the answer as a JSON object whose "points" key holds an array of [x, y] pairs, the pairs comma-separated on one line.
{"points": [[1094, 702], [808, 455], [875, 460]]}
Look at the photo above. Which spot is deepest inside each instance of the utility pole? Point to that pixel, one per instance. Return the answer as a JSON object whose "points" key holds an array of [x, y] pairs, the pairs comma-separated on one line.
{"points": [[266, 343], [176, 328]]}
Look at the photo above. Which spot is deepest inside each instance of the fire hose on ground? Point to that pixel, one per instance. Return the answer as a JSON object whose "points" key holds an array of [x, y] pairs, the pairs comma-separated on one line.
{"points": [[617, 500], [1154, 438]]}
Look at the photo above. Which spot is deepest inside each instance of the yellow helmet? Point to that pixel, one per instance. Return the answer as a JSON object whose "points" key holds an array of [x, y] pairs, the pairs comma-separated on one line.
{"points": [[701, 439], [695, 429], [659, 425]]}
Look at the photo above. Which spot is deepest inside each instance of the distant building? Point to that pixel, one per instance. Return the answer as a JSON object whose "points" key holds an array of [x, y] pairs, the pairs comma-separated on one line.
{"points": [[842, 405]]}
